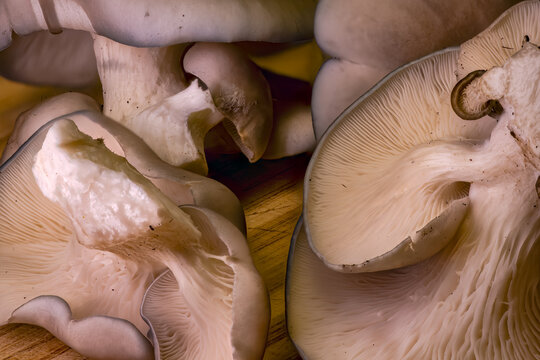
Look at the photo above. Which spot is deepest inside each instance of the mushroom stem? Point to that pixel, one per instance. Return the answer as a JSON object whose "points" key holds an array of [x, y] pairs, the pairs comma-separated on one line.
{"points": [[136, 78], [469, 100]]}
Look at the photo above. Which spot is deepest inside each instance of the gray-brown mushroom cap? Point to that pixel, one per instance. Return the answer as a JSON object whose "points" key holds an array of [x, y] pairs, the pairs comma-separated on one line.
{"points": [[364, 47], [163, 22]]}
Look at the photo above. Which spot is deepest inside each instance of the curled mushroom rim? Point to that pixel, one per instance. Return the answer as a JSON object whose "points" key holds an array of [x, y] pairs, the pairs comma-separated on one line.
{"points": [[321, 144]]}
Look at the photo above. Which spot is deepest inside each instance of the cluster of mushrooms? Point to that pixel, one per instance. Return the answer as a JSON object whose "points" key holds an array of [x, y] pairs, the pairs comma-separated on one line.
{"points": [[420, 228]]}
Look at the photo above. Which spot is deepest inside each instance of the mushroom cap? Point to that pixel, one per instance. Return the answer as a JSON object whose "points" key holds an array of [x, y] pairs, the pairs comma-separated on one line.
{"points": [[165, 22], [243, 318], [102, 232], [470, 300], [42, 253], [239, 90], [500, 40], [378, 44], [381, 160], [337, 85]]}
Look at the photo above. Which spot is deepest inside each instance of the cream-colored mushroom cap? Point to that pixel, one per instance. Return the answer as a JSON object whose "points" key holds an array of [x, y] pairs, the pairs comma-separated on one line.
{"points": [[401, 153], [81, 224], [381, 189]]}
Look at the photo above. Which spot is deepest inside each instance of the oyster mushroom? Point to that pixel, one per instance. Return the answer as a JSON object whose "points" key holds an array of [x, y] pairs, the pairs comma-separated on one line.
{"points": [[79, 223], [364, 48], [477, 295]]}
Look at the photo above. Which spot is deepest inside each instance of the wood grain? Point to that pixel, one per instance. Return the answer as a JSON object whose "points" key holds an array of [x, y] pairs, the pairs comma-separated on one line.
{"points": [[271, 193]]}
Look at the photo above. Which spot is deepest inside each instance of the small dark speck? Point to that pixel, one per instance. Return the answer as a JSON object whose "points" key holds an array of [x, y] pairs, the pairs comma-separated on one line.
{"points": [[127, 101], [153, 248], [513, 134], [24, 297], [146, 14], [470, 159], [180, 28], [464, 204], [183, 15], [112, 289], [101, 107], [151, 227], [344, 186]]}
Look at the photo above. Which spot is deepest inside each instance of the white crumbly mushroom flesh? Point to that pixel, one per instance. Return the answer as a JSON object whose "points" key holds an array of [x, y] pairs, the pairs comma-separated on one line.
{"points": [[479, 297], [88, 228]]}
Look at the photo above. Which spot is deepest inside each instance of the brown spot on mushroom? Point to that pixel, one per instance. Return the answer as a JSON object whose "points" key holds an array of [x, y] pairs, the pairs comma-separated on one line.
{"points": [[492, 107]]}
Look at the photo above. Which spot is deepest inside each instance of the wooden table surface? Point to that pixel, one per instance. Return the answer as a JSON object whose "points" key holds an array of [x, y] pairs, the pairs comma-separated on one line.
{"points": [[271, 193]]}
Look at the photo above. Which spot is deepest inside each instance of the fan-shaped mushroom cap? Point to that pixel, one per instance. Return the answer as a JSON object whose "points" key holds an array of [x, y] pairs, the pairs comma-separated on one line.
{"points": [[379, 36], [102, 232], [381, 161], [400, 152], [163, 22]]}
